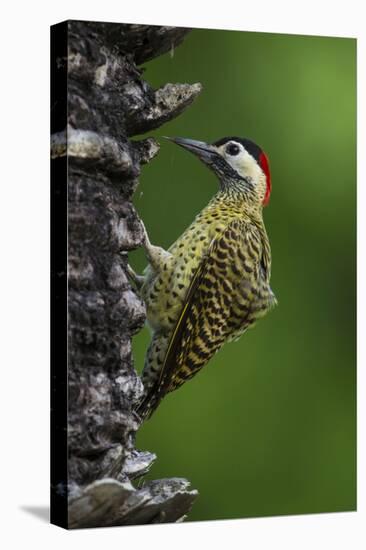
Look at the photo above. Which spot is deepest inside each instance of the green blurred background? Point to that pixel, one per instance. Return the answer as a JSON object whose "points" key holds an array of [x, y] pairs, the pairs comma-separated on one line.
{"points": [[268, 426]]}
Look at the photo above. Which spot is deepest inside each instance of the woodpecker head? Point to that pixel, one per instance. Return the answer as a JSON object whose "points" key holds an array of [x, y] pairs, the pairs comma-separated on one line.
{"points": [[240, 165]]}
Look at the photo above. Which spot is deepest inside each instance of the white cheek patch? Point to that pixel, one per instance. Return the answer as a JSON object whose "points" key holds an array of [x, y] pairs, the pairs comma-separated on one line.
{"points": [[245, 165]]}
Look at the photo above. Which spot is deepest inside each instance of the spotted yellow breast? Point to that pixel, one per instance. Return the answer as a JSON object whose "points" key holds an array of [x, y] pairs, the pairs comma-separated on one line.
{"points": [[164, 292]]}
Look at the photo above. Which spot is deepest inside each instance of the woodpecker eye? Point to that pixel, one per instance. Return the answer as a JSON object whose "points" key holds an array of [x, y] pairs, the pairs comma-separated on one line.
{"points": [[232, 149]]}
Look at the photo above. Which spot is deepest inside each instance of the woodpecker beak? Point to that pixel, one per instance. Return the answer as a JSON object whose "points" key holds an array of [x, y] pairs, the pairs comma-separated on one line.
{"points": [[202, 150]]}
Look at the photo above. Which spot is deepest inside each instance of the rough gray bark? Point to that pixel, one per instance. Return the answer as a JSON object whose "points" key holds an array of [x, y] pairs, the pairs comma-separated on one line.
{"points": [[108, 103]]}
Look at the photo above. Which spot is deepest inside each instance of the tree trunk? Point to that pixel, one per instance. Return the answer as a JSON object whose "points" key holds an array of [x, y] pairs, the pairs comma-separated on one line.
{"points": [[108, 102]]}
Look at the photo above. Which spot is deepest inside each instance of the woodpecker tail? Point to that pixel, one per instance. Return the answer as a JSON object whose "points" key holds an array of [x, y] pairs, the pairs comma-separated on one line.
{"points": [[148, 406]]}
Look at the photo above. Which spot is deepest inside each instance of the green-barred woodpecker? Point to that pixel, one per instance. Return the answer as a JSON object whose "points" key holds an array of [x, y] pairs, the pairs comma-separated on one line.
{"points": [[213, 283]]}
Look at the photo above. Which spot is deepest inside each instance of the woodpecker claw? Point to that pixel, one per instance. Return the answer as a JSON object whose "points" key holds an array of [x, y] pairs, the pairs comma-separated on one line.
{"points": [[145, 238], [138, 280]]}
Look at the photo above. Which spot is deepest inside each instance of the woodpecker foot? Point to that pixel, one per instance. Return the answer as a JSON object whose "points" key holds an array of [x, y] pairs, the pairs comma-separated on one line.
{"points": [[138, 280], [156, 255]]}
